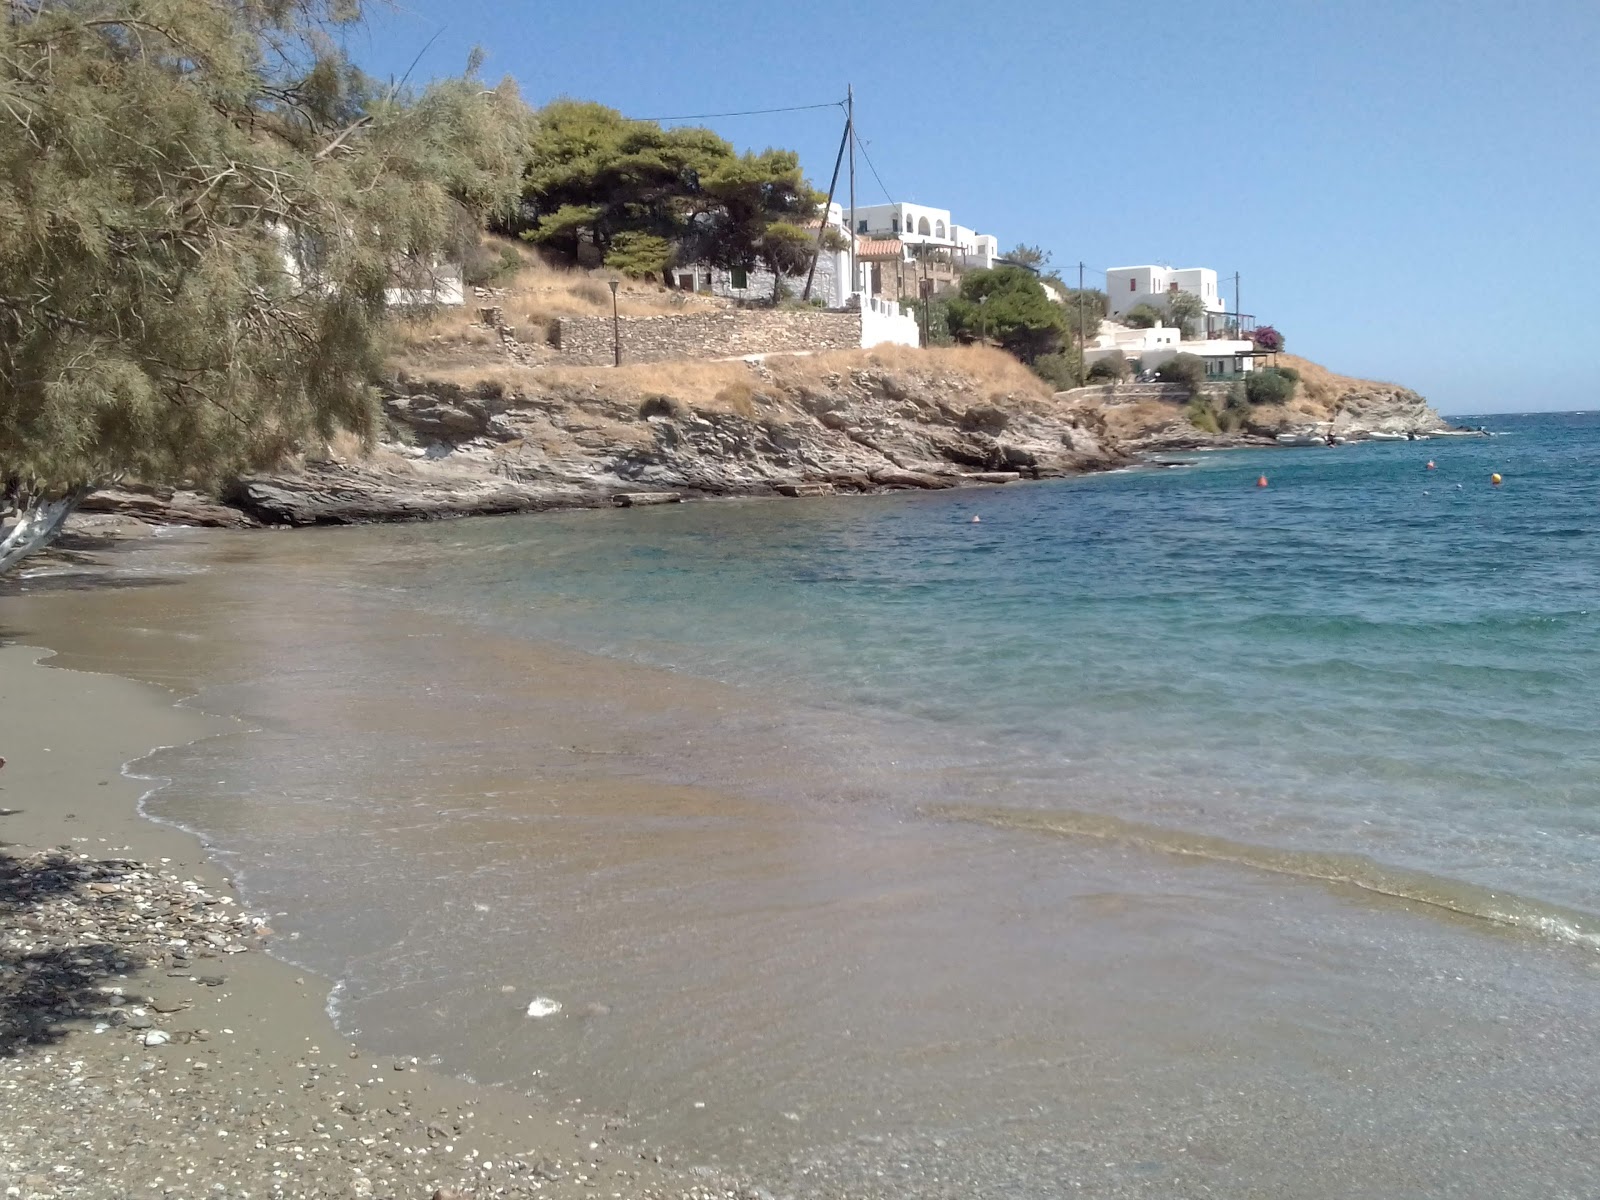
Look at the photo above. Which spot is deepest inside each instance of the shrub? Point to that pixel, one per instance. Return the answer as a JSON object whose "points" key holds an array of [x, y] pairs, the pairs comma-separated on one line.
{"points": [[1202, 417], [1142, 316], [1268, 386], [1267, 338], [1059, 370], [1187, 369], [1111, 369], [482, 266]]}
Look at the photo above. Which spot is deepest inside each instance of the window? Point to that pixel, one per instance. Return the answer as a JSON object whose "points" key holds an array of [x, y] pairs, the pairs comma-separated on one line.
{"points": [[1133, 285], [894, 224], [922, 226], [740, 279], [706, 281], [861, 225], [938, 230]]}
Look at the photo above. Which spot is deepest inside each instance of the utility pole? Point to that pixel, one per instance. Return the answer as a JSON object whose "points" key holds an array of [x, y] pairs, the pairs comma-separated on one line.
{"points": [[822, 224], [850, 133], [1238, 315], [1082, 341]]}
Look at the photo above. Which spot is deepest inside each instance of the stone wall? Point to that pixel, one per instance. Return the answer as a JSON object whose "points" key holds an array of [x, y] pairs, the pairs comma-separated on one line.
{"points": [[587, 341]]}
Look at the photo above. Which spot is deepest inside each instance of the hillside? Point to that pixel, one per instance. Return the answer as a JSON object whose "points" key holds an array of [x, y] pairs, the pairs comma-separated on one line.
{"points": [[1144, 418], [483, 417]]}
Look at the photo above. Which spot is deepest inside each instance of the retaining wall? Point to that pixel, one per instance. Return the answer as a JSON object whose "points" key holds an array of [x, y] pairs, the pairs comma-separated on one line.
{"points": [[587, 341]]}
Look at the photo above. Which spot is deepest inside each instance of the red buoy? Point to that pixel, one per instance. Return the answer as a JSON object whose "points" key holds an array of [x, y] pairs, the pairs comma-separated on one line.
{"points": [[1261, 482]]}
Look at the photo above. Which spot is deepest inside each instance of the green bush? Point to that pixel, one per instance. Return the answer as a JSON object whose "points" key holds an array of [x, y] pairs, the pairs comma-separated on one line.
{"points": [[482, 265], [1059, 370], [1187, 369], [1269, 386], [1142, 316], [1202, 417], [1112, 369]]}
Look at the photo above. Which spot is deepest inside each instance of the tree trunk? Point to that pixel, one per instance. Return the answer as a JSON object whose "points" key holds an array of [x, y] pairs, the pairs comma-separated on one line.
{"points": [[35, 523]]}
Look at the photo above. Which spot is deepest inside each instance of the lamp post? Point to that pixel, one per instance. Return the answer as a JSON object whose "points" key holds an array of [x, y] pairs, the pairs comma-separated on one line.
{"points": [[616, 328], [983, 320]]}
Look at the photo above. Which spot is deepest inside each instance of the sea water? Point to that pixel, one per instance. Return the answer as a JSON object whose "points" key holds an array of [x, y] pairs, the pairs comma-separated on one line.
{"points": [[1155, 834]]}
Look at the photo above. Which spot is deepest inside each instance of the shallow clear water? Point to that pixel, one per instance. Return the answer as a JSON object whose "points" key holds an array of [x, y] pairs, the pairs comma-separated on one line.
{"points": [[1155, 835], [1365, 657]]}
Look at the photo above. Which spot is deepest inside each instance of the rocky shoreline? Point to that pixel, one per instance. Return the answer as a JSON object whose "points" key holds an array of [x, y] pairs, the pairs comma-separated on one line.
{"points": [[852, 423], [149, 1047]]}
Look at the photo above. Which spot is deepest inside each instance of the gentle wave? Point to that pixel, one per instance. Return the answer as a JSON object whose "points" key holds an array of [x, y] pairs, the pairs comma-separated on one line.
{"points": [[1507, 909]]}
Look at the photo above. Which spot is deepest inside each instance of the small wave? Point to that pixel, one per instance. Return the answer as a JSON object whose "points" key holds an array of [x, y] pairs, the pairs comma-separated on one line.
{"points": [[1504, 909]]}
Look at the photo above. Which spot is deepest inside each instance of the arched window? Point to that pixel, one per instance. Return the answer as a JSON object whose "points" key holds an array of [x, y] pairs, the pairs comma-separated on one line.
{"points": [[894, 224], [922, 226], [938, 230]]}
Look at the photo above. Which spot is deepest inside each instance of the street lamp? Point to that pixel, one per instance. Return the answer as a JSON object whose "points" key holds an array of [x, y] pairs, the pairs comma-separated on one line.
{"points": [[616, 328], [983, 320]]}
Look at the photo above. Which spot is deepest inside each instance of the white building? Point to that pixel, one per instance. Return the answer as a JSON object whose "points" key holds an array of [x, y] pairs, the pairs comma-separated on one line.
{"points": [[1224, 357], [918, 225], [1130, 286]]}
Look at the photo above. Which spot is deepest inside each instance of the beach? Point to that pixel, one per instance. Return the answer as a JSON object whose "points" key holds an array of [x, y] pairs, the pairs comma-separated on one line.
{"points": [[1156, 836], [150, 1047]]}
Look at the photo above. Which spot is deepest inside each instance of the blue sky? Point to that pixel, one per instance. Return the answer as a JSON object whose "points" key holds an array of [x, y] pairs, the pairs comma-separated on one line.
{"points": [[1410, 191]]}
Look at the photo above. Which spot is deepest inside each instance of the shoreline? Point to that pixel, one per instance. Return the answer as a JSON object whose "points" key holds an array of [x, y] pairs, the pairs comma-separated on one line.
{"points": [[212, 1066]]}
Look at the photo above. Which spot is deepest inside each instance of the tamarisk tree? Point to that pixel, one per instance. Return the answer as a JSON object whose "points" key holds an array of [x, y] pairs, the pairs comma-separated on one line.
{"points": [[203, 206]]}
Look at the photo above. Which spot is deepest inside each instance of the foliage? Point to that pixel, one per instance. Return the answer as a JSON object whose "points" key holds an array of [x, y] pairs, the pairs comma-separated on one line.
{"points": [[1202, 416], [1267, 338], [1111, 369], [1187, 369], [594, 177], [1184, 312], [482, 264], [1287, 372], [202, 206], [639, 255], [1009, 306], [785, 249], [1142, 316], [1028, 256], [1269, 386], [934, 317], [1059, 370], [1095, 306]]}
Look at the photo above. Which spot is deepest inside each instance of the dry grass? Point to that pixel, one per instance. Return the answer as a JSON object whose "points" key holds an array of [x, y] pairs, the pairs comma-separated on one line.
{"points": [[992, 376], [538, 293], [1323, 387]]}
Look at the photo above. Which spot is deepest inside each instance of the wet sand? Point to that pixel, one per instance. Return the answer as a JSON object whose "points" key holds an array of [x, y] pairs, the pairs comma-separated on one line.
{"points": [[208, 1069]]}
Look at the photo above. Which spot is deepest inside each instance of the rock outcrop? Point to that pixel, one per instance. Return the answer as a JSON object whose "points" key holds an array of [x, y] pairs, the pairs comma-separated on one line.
{"points": [[796, 427]]}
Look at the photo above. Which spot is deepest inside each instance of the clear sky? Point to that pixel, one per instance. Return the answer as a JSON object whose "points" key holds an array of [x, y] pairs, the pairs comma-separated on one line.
{"points": [[1410, 191]]}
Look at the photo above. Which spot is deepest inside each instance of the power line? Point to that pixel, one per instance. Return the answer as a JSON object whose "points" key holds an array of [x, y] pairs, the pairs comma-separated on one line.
{"points": [[875, 174], [749, 112]]}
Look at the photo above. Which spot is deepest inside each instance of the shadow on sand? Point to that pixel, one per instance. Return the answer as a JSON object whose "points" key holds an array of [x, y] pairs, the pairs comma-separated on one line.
{"points": [[43, 984]]}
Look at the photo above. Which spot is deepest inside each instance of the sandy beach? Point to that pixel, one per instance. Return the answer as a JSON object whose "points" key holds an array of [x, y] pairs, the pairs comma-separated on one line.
{"points": [[149, 1047]]}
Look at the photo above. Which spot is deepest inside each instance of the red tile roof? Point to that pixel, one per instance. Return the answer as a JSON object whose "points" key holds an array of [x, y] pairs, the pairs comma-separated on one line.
{"points": [[878, 249]]}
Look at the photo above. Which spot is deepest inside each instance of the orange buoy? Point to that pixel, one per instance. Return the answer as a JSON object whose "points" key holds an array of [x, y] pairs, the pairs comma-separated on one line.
{"points": [[1262, 481], [1495, 479], [1430, 464]]}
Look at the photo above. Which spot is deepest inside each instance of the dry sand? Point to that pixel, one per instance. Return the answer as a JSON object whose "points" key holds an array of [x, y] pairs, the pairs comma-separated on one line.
{"points": [[149, 1048]]}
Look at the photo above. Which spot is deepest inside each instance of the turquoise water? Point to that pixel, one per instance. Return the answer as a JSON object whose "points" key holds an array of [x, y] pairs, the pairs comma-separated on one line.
{"points": [[1367, 657]]}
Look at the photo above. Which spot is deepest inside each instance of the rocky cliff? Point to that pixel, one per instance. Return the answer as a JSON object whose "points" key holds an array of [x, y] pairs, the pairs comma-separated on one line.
{"points": [[524, 440]]}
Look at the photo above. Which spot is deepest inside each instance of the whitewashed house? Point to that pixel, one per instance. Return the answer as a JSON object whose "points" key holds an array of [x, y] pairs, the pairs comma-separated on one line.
{"points": [[1127, 287], [928, 230], [1224, 358]]}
